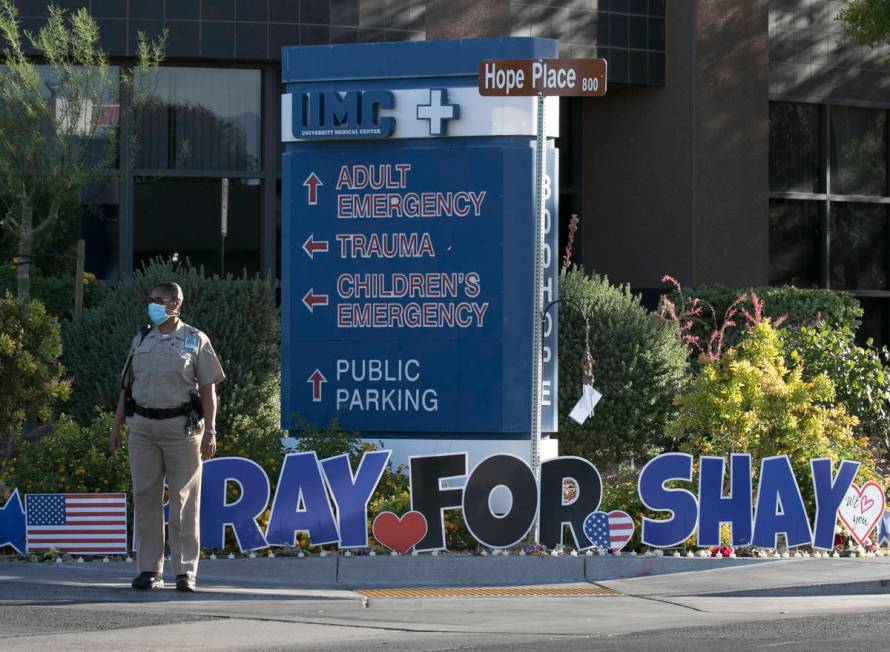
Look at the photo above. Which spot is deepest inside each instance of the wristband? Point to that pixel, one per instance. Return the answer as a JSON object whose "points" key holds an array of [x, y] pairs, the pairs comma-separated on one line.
{"points": [[210, 431]]}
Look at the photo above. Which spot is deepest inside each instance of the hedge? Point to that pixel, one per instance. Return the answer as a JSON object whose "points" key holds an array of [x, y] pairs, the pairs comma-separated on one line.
{"points": [[237, 313], [639, 369], [800, 307]]}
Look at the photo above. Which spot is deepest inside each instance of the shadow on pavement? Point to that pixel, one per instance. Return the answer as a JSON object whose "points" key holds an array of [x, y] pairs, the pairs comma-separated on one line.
{"points": [[51, 594], [873, 587]]}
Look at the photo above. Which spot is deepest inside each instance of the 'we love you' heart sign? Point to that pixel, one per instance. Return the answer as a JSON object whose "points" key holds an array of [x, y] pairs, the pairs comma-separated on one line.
{"points": [[861, 509]]}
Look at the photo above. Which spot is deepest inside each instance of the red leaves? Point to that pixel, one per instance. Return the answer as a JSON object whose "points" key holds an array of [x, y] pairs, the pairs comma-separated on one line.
{"points": [[690, 313]]}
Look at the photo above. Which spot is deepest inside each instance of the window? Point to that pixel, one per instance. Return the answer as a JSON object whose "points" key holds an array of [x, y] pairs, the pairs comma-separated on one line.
{"points": [[858, 151], [99, 219], [94, 115], [829, 203], [876, 321], [182, 216], [794, 147], [794, 243], [201, 118], [859, 246]]}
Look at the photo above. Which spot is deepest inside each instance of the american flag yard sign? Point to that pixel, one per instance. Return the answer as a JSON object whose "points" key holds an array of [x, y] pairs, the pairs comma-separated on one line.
{"points": [[609, 531], [85, 524]]}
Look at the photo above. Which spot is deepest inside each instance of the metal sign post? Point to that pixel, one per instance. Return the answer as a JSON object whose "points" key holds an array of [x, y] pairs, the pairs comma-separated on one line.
{"points": [[540, 171], [223, 224], [540, 78]]}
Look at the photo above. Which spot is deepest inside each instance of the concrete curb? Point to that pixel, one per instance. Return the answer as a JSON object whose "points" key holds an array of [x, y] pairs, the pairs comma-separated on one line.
{"points": [[384, 571], [603, 568], [448, 570]]}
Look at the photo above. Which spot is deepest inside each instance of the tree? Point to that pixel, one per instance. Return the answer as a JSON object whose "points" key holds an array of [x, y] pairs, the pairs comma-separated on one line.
{"points": [[30, 371], [58, 121], [867, 21]]}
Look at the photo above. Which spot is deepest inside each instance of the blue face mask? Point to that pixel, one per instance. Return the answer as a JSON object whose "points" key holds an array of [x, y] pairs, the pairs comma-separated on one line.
{"points": [[157, 313]]}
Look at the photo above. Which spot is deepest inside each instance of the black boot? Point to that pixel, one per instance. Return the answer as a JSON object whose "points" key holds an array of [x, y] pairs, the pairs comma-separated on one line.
{"points": [[148, 580], [185, 583]]}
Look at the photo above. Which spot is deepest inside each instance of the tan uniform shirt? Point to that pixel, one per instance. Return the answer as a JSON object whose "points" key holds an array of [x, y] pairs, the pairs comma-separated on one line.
{"points": [[167, 367]]}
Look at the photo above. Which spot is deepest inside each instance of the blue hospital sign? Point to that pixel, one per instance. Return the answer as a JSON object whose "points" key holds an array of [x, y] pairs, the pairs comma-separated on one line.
{"points": [[408, 241]]}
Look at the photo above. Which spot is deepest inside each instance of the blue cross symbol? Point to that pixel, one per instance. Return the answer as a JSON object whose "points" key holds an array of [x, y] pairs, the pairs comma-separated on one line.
{"points": [[437, 111]]}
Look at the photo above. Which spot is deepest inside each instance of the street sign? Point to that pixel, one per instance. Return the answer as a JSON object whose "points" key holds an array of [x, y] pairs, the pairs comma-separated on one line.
{"points": [[566, 77]]}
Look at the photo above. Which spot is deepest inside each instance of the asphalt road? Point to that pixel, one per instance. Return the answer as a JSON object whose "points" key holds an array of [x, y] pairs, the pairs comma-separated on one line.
{"points": [[27, 627]]}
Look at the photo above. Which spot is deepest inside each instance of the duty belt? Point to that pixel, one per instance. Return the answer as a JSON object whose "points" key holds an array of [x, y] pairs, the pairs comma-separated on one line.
{"points": [[162, 413]]}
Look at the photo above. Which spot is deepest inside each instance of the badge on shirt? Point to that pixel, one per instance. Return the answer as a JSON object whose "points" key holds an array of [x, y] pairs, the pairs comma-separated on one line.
{"points": [[190, 343]]}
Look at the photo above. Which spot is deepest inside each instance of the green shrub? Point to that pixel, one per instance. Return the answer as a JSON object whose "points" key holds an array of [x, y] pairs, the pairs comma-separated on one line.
{"points": [[331, 441], [30, 372], [860, 375], [237, 313], [71, 458], [801, 307], [750, 402], [57, 292], [620, 492], [639, 369]]}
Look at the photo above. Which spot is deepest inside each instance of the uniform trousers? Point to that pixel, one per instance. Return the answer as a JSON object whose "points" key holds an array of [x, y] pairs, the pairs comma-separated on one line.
{"points": [[159, 449]]}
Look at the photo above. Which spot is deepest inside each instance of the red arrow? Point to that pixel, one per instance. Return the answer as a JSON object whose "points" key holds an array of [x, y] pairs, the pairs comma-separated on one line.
{"points": [[312, 182], [317, 378], [311, 300], [312, 245]]}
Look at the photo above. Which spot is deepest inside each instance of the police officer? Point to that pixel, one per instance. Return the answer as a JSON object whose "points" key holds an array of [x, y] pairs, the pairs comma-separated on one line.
{"points": [[168, 361]]}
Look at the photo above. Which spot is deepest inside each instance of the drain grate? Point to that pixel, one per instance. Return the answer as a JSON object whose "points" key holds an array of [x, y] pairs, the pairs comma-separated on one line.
{"points": [[490, 592]]}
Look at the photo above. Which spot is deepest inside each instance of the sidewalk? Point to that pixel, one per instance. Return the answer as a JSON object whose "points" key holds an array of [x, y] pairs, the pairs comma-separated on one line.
{"points": [[650, 577], [268, 603]]}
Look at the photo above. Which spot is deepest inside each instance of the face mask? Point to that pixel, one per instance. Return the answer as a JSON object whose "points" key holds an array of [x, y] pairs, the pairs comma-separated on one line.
{"points": [[157, 313]]}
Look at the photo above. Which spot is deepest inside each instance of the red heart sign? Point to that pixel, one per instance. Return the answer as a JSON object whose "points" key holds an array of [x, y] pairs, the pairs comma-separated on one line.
{"points": [[399, 534]]}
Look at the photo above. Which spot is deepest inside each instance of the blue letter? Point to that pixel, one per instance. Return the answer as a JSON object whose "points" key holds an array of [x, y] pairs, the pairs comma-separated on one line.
{"points": [[351, 494], [372, 102], [301, 504], [780, 508], [341, 111], [829, 496], [714, 509], [299, 117], [216, 513], [679, 502]]}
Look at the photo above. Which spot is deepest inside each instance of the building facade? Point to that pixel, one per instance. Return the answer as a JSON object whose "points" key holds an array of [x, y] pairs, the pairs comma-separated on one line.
{"points": [[740, 142]]}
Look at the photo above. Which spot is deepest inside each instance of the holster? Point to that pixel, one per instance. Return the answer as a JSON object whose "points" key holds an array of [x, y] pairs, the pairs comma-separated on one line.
{"points": [[197, 406], [129, 403]]}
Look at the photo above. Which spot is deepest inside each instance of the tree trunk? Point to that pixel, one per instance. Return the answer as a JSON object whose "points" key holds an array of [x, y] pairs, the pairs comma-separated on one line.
{"points": [[26, 244], [78, 277]]}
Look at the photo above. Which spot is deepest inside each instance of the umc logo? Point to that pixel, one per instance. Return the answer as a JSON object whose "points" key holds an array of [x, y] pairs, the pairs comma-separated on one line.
{"points": [[358, 114], [330, 114]]}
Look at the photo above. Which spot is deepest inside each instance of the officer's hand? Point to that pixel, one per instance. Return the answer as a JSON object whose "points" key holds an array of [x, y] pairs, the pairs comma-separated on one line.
{"points": [[208, 446], [114, 440]]}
